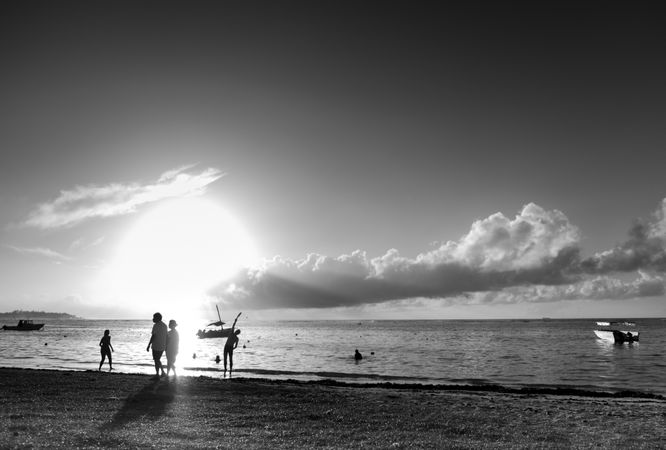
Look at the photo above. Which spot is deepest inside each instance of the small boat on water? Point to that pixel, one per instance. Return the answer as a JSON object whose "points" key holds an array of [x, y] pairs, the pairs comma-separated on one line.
{"points": [[210, 333], [24, 325], [615, 324], [613, 333], [218, 331]]}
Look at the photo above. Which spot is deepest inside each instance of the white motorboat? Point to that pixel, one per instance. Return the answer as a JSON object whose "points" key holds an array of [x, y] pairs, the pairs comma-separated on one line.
{"points": [[617, 332]]}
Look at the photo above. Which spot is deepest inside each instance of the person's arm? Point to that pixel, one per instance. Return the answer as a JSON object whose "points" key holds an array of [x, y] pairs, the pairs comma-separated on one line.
{"points": [[150, 342], [236, 320], [111, 346], [236, 343], [101, 341]]}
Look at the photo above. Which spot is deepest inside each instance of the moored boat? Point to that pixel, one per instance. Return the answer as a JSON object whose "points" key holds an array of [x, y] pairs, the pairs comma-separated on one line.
{"points": [[211, 333], [24, 325], [221, 332], [615, 324], [611, 332]]}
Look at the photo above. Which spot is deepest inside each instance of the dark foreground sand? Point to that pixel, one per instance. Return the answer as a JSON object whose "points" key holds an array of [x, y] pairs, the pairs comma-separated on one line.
{"points": [[41, 408]]}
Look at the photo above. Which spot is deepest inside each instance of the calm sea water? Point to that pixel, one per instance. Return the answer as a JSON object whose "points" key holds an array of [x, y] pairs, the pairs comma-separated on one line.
{"points": [[513, 353]]}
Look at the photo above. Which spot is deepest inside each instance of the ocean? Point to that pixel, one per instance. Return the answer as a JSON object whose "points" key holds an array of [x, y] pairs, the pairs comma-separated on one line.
{"points": [[511, 353]]}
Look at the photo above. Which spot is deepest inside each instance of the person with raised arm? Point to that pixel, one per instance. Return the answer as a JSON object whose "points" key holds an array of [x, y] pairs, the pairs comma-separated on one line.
{"points": [[230, 346]]}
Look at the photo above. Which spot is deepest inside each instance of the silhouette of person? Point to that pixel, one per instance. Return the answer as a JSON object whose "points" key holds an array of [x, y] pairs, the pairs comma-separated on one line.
{"points": [[158, 340], [172, 343], [105, 349], [230, 346], [357, 355]]}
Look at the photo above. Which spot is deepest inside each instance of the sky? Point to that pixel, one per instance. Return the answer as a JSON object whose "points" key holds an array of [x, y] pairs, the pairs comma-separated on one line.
{"points": [[332, 160]]}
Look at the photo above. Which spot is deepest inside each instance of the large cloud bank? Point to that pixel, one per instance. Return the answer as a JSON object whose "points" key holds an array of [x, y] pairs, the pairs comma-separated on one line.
{"points": [[533, 257]]}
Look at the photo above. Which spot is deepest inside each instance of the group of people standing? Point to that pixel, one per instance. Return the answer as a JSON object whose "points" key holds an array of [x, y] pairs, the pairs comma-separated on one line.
{"points": [[167, 340], [163, 340]]}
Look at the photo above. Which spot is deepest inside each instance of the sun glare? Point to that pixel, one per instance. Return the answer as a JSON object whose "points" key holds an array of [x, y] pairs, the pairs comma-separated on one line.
{"points": [[178, 250]]}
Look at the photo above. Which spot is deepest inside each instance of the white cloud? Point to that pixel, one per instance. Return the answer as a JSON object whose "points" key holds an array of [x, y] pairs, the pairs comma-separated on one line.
{"points": [[82, 244], [499, 243], [537, 246], [534, 257], [86, 202], [40, 251]]}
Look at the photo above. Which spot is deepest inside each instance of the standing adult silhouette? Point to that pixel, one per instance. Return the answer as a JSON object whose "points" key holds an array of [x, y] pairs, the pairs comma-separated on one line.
{"points": [[158, 340], [105, 349], [173, 341]]}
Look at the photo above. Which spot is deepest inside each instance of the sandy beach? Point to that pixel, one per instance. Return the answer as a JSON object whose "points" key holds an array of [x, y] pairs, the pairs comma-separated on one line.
{"points": [[60, 409]]}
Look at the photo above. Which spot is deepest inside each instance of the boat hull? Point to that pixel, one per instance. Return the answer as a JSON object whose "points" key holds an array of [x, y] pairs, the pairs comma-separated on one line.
{"points": [[212, 334], [618, 336], [31, 327]]}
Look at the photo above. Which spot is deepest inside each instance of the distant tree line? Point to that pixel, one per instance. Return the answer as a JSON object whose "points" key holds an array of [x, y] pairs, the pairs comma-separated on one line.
{"points": [[18, 313]]}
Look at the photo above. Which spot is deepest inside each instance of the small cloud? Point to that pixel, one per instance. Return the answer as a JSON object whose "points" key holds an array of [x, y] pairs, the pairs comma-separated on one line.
{"points": [[82, 243], [40, 251], [92, 201]]}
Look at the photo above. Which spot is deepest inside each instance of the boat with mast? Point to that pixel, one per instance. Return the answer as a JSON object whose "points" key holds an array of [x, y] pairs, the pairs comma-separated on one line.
{"points": [[218, 331]]}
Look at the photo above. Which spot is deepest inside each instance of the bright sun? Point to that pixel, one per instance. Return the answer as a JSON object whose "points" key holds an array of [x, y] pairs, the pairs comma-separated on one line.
{"points": [[178, 250]]}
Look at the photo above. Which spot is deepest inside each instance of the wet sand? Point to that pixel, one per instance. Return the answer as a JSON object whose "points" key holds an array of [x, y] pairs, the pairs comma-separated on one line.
{"points": [[66, 409]]}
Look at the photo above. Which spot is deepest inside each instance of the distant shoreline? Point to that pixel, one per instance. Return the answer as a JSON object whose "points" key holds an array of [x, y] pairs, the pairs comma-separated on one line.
{"points": [[32, 315]]}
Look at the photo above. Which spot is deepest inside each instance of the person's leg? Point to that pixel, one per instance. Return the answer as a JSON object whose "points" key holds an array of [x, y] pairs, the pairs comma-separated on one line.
{"points": [[159, 361], [156, 359], [226, 353], [231, 361], [102, 361], [110, 360]]}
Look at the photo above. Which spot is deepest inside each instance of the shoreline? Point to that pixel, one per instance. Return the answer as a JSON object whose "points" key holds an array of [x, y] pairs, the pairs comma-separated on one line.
{"points": [[325, 380], [90, 409]]}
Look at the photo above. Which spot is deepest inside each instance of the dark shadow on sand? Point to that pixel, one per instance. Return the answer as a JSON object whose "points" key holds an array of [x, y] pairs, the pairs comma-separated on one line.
{"points": [[151, 402]]}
